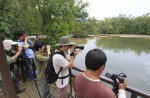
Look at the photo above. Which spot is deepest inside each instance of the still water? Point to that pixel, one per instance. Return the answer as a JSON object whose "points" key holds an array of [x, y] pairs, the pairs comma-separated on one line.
{"points": [[128, 55]]}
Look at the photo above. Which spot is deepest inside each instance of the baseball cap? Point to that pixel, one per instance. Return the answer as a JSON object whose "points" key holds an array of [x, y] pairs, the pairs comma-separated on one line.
{"points": [[7, 44]]}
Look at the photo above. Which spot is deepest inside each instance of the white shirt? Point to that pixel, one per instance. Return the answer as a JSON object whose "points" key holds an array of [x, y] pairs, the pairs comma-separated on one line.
{"points": [[58, 62]]}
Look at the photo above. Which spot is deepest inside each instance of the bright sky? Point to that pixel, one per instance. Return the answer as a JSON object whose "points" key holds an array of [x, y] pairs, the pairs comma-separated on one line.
{"points": [[110, 8]]}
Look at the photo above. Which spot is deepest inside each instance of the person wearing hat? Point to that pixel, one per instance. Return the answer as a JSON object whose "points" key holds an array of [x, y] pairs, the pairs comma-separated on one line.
{"points": [[60, 62], [8, 46]]}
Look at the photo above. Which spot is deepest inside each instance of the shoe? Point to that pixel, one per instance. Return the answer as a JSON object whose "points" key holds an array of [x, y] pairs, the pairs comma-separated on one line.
{"points": [[20, 90]]}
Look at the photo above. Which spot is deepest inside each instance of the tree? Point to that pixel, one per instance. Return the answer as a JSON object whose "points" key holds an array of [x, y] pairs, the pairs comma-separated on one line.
{"points": [[53, 18]]}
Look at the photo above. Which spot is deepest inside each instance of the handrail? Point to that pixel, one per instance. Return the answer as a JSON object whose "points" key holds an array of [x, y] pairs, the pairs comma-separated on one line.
{"points": [[134, 92]]}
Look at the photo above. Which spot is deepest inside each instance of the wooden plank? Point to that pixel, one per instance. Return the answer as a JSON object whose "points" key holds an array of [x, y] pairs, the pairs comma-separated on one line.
{"points": [[31, 90], [5, 73], [133, 95]]}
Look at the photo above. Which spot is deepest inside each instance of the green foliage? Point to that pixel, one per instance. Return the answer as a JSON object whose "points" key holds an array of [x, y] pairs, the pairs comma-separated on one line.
{"points": [[116, 25], [126, 25], [54, 18]]}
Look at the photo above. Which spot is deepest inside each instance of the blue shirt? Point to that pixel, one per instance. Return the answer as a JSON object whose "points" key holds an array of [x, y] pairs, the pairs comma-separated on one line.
{"points": [[29, 52]]}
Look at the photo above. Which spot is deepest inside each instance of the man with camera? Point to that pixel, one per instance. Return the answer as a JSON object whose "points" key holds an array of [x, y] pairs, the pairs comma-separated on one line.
{"points": [[28, 53], [41, 57], [8, 46], [60, 61], [88, 84]]}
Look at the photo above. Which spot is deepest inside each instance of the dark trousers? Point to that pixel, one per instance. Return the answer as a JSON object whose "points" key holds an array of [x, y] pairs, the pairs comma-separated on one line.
{"points": [[31, 69], [16, 82]]}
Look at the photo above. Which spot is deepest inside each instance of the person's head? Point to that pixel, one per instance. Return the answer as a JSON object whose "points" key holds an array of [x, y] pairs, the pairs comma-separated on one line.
{"points": [[8, 44], [22, 34], [65, 43], [95, 59], [39, 46]]}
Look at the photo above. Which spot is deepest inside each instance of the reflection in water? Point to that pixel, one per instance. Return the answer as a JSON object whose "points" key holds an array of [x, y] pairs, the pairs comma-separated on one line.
{"points": [[79, 41], [127, 55], [138, 45]]}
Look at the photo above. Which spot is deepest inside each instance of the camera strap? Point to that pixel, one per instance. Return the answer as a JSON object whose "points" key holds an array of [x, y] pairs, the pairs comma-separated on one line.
{"points": [[63, 77]]}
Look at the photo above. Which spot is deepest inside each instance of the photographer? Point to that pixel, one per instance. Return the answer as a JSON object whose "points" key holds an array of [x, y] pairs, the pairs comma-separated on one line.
{"points": [[41, 57], [25, 42], [61, 62], [88, 84], [8, 46]]}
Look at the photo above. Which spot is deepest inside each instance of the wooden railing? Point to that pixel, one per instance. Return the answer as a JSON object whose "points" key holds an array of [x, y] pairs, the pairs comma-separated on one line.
{"points": [[133, 91]]}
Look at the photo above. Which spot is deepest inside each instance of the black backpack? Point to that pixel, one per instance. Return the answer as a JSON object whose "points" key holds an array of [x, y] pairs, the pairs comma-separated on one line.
{"points": [[49, 72]]}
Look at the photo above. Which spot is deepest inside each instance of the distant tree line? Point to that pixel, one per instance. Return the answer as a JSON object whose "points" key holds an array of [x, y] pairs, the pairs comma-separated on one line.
{"points": [[115, 25]]}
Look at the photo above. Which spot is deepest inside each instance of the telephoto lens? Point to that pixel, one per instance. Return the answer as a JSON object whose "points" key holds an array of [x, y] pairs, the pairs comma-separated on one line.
{"points": [[79, 47], [32, 37]]}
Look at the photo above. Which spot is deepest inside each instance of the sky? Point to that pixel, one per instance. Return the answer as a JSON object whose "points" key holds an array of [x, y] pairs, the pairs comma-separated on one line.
{"points": [[101, 9]]}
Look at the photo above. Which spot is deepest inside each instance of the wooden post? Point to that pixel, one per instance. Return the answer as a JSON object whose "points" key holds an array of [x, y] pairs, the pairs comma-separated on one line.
{"points": [[5, 73]]}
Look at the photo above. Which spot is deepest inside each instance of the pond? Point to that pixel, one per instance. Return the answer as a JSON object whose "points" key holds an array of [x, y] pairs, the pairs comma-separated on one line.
{"points": [[128, 55]]}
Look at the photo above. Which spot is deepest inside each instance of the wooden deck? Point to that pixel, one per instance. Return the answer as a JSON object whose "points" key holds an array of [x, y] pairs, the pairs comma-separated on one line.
{"points": [[32, 92]]}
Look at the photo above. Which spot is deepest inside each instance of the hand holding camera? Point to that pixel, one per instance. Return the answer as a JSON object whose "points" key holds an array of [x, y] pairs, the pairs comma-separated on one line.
{"points": [[71, 48], [47, 49], [122, 85], [20, 48], [26, 38], [119, 81], [75, 50]]}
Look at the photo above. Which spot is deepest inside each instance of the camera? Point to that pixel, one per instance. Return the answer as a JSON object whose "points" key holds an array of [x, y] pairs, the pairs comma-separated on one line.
{"points": [[38, 37], [32, 37], [120, 77], [79, 47], [45, 48]]}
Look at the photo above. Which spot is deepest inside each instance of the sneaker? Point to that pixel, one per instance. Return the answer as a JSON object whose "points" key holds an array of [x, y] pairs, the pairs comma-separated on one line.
{"points": [[20, 90]]}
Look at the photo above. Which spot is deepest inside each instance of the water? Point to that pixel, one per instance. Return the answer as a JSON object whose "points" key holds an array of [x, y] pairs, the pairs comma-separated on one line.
{"points": [[128, 55]]}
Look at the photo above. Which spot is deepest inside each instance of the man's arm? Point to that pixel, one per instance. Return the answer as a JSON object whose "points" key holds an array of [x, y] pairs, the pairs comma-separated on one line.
{"points": [[18, 53], [41, 57], [122, 87]]}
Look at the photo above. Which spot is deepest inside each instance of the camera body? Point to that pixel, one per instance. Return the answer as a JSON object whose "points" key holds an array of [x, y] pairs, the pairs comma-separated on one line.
{"points": [[79, 47], [120, 77]]}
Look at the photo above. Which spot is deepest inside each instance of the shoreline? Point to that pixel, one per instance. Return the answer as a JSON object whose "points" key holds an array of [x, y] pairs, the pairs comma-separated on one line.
{"points": [[122, 35]]}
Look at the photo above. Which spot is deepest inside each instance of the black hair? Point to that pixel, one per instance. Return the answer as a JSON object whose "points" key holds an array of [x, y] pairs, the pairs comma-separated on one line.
{"points": [[95, 59], [38, 44], [21, 33]]}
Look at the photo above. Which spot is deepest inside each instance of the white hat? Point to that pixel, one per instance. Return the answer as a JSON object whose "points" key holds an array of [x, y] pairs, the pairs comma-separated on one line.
{"points": [[7, 44]]}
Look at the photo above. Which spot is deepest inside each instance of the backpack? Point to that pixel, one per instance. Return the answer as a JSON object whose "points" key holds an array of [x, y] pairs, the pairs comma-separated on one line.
{"points": [[49, 72]]}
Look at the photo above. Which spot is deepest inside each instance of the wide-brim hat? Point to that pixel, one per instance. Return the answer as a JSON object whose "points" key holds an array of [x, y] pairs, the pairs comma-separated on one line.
{"points": [[65, 40], [7, 44]]}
